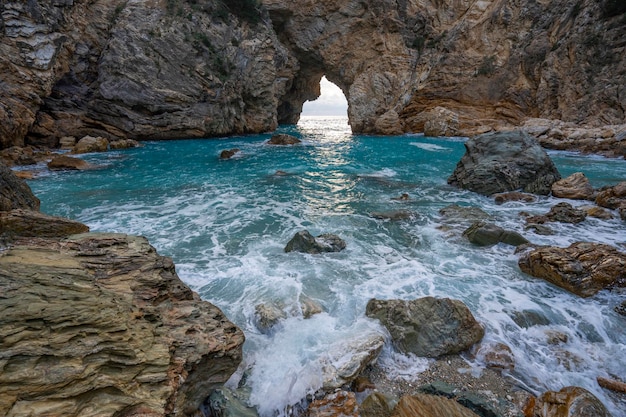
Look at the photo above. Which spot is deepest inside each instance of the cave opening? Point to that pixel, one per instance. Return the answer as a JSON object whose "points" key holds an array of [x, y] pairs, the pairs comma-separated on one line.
{"points": [[331, 101]]}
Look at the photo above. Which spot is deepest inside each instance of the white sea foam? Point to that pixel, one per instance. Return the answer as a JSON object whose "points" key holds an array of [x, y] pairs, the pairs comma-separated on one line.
{"points": [[430, 147]]}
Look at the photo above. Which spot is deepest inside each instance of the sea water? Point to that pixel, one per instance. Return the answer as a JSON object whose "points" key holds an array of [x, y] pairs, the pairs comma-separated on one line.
{"points": [[226, 223]]}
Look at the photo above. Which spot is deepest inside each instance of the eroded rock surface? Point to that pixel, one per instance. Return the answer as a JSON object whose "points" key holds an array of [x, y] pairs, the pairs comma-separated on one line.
{"points": [[14, 192], [575, 187], [568, 402], [303, 241], [100, 324]]}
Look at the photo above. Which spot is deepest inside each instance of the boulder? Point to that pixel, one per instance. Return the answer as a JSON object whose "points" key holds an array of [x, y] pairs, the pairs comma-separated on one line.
{"points": [[575, 187], [90, 144], [597, 212], [336, 404], [309, 307], [124, 144], [528, 318], [376, 405], [612, 197], [228, 153], [583, 268], [504, 161], [14, 192], [463, 214], [501, 198], [562, 212], [64, 162], [568, 402], [495, 355], [346, 360], [487, 234], [392, 215], [303, 241], [268, 315], [29, 223], [283, 139], [427, 326], [425, 405], [101, 324]]}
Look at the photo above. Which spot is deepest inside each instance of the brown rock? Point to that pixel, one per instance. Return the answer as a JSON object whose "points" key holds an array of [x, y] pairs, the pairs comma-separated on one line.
{"points": [[597, 212], [283, 139], [228, 153], [575, 187], [495, 355], [612, 197], [28, 223], [124, 144], [569, 402], [440, 122], [64, 162], [100, 323], [90, 144], [583, 268], [14, 192], [375, 405], [424, 405], [337, 404], [562, 212], [501, 198]]}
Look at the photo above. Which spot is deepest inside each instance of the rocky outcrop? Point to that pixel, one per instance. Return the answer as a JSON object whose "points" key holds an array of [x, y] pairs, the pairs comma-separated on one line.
{"points": [[14, 192], [568, 402], [283, 139], [427, 326], [575, 187], [582, 268], [346, 360], [487, 234], [561, 212], [100, 324], [507, 161], [613, 198], [64, 162], [303, 241], [30, 223]]}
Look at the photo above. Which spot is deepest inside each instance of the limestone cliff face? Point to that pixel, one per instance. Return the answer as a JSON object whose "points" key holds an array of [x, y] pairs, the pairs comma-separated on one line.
{"points": [[157, 69]]}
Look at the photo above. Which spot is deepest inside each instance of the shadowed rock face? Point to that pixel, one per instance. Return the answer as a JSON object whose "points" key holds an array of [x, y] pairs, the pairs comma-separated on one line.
{"points": [[155, 70]]}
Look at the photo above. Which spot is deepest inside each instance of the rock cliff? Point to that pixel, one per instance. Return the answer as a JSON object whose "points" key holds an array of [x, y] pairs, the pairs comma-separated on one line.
{"points": [[157, 69]]}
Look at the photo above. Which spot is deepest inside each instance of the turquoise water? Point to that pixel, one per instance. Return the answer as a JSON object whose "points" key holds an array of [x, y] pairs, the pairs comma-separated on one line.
{"points": [[225, 224]]}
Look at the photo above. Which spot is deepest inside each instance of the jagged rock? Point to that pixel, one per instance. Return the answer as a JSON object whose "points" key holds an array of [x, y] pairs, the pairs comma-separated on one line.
{"points": [[568, 402], [337, 404], [14, 192], [495, 355], [91, 144], [612, 197], [562, 212], [375, 405], [424, 405], [29, 223], [554, 337], [507, 161], [501, 198], [427, 326], [21, 156], [63, 162], [268, 315], [441, 122], [303, 241], [575, 187], [597, 212], [225, 403], [283, 139], [583, 268], [124, 144], [309, 307], [346, 360], [393, 215], [486, 234], [101, 323], [228, 153], [540, 229]]}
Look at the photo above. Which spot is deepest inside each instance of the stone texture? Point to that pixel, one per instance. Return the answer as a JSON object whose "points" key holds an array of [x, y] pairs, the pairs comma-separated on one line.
{"points": [[575, 187], [283, 139], [100, 324], [508, 161], [124, 144], [501, 198], [303, 241], [393, 215], [91, 144], [427, 326], [268, 315], [487, 234], [561, 212], [29, 223], [568, 402], [424, 405], [337, 404], [441, 122], [14, 192], [612, 197], [64, 162], [582, 268], [495, 355], [375, 405]]}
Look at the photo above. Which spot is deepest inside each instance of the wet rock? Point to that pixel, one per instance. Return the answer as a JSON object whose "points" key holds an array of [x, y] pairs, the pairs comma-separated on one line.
{"points": [[303, 241], [528, 318], [568, 402], [268, 315], [309, 307], [124, 144], [554, 337], [14, 192], [228, 153], [597, 212], [505, 161], [346, 360], [402, 197], [337, 404], [575, 187], [562, 212], [487, 234], [501, 198], [392, 215], [495, 355], [583, 268], [427, 326], [64, 162], [612, 197], [21, 156], [225, 403], [90, 144], [621, 309], [361, 384], [102, 322], [29, 223], [283, 139], [424, 405], [540, 229], [456, 213], [376, 405]]}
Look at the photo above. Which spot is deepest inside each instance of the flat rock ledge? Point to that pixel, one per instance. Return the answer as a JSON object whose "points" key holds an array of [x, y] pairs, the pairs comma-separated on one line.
{"points": [[100, 324]]}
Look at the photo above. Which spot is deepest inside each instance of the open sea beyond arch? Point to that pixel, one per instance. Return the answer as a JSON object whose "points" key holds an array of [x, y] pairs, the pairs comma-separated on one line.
{"points": [[225, 224]]}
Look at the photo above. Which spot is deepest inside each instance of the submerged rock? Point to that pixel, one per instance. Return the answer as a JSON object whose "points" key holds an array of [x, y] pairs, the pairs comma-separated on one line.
{"points": [[14, 192], [303, 241], [228, 153], [427, 326], [101, 322], [268, 315], [283, 139], [568, 402], [392, 215], [575, 187], [505, 161], [486, 234], [583, 268]]}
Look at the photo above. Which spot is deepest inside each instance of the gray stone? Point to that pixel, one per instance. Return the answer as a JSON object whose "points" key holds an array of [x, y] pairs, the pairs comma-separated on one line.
{"points": [[303, 241], [486, 234]]}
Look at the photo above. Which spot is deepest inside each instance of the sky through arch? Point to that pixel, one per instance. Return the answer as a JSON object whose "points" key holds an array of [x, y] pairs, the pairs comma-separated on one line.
{"points": [[331, 102]]}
